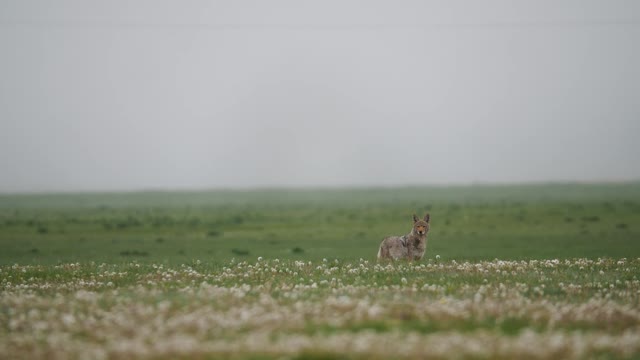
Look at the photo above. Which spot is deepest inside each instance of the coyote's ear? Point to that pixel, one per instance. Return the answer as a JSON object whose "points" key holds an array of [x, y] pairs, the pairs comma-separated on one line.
{"points": [[427, 217], [415, 218]]}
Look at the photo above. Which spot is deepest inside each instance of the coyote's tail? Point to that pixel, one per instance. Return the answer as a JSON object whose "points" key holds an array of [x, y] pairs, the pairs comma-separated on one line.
{"points": [[383, 252]]}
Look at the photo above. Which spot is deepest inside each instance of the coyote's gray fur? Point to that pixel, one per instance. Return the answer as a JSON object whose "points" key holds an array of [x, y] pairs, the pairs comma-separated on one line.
{"points": [[411, 246]]}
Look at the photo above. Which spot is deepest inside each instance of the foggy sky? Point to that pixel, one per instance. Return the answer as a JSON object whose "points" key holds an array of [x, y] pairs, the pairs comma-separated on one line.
{"points": [[128, 95]]}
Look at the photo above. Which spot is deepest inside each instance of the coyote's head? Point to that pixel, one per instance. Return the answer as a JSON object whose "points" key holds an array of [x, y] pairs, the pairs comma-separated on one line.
{"points": [[421, 226]]}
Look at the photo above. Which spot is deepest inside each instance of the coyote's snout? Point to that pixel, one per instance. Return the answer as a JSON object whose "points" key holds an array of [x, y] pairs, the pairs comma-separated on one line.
{"points": [[411, 246]]}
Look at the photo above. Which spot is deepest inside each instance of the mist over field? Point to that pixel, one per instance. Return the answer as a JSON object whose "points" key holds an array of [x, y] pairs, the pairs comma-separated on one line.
{"points": [[124, 95]]}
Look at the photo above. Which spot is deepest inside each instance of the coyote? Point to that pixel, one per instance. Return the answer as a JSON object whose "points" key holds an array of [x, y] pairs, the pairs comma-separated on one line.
{"points": [[411, 246]]}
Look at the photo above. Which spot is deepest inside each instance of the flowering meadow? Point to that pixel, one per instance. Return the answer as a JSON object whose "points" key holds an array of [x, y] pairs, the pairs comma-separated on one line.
{"points": [[329, 309]]}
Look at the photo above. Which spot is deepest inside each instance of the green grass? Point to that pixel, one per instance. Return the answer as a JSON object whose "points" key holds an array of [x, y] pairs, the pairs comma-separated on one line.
{"points": [[468, 223], [531, 272]]}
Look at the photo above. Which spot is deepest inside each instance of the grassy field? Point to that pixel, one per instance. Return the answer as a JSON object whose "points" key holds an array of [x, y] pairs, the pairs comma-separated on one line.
{"points": [[527, 272], [468, 223]]}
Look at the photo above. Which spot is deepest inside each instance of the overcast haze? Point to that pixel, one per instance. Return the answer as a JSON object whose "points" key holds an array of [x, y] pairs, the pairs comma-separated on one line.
{"points": [[128, 95]]}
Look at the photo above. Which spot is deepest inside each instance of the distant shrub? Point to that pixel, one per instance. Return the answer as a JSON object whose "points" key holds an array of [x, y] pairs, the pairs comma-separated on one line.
{"points": [[134, 253], [42, 229], [621, 226], [297, 250], [590, 218], [130, 221], [214, 233], [159, 240], [240, 252]]}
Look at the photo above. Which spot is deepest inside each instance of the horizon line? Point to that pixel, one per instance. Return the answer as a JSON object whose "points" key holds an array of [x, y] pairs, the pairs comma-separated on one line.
{"points": [[325, 187]]}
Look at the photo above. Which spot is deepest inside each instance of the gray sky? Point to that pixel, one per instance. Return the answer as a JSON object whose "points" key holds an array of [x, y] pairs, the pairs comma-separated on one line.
{"points": [[124, 95]]}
